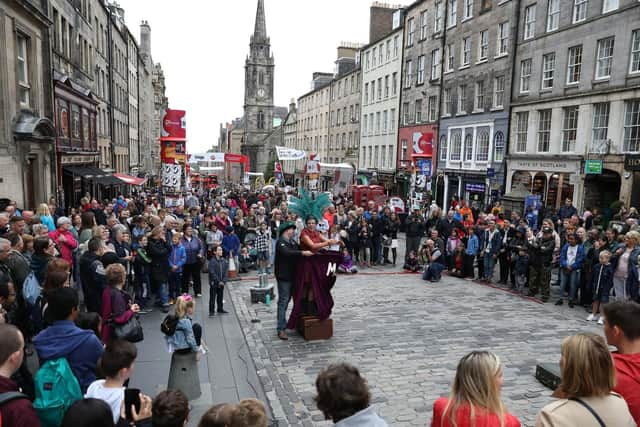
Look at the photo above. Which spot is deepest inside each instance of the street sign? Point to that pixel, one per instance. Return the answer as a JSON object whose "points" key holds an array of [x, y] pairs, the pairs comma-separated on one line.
{"points": [[491, 172], [593, 167]]}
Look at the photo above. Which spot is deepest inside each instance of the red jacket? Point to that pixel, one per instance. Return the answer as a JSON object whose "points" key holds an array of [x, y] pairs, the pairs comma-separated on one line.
{"points": [[18, 412], [463, 417], [628, 381], [66, 248]]}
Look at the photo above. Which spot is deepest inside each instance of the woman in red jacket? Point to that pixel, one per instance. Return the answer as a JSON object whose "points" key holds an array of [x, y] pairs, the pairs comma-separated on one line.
{"points": [[475, 395]]}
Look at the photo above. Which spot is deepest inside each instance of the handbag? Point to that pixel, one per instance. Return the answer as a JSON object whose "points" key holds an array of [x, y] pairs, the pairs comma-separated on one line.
{"points": [[130, 331]]}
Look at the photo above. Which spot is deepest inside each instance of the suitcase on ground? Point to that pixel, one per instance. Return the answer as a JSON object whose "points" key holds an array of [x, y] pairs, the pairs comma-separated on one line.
{"points": [[548, 374], [312, 328]]}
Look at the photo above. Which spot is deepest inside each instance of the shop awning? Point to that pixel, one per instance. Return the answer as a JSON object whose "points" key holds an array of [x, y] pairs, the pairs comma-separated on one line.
{"points": [[93, 173], [128, 179]]}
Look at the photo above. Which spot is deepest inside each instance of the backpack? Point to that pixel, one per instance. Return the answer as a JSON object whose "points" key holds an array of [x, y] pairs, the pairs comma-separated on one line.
{"points": [[31, 288], [10, 396], [57, 389], [169, 325]]}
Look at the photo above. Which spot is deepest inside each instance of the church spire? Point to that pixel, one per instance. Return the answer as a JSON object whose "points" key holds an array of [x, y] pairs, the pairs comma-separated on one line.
{"points": [[260, 31]]}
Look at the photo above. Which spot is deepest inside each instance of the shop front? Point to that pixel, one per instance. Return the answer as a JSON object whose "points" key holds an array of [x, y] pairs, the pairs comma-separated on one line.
{"points": [[554, 179], [469, 186]]}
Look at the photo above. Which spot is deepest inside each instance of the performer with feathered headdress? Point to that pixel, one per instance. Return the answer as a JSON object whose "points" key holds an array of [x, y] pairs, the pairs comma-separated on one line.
{"points": [[310, 209]]}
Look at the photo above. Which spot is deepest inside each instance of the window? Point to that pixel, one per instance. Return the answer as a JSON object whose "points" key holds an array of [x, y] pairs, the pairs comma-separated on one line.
{"points": [[380, 88], [466, 51], [405, 113], [452, 13], [530, 22], [525, 75], [367, 60], [396, 43], [600, 124], [609, 5], [22, 60], [373, 91], [484, 45], [447, 101], [411, 29], [503, 38], [421, 61], [498, 147], [392, 119], [479, 106], [435, 64], [569, 128], [365, 125], [418, 111], [553, 15], [443, 149], [548, 68], [632, 125], [386, 86], [522, 125], [395, 83], [482, 144], [408, 74], [450, 55], [574, 64], [437, 23], [604, 58], [366, 93], [373, 58], [423, 25], [456, 144], [380, 55], [385, 123], [462, 99], [468, 9], [579, 10], [433, 108], [498, 92], [468, 148], [544, 130], [378, 123], [634, 63], [388, 50], [260, 120], [403, 147]]}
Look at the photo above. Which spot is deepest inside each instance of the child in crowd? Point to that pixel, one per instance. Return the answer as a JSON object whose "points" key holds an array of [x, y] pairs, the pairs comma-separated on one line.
{"points": [[412, 264], [601, 284], [263, 243], [187, 337], [522, 268], [117, 366], [213, 239], [334, 233], [457, 261], [452, 248], [346, 266], [176, 260], [470, 253], [423, 255], [142, 272], [246, 261], [218, 269]]}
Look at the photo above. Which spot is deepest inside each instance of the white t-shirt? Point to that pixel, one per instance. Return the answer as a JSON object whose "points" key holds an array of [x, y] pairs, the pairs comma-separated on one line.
{"points": [[113, 396], [572, 252]]}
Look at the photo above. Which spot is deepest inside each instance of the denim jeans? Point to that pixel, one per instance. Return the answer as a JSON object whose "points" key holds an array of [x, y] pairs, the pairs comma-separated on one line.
{"points": [[573, 277], [164, 293], [175, 279], [489, 263], [284, 295]]}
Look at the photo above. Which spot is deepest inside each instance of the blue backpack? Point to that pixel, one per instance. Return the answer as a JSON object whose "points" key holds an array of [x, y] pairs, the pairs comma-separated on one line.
{"points": [[31, 289], [57, 388]]}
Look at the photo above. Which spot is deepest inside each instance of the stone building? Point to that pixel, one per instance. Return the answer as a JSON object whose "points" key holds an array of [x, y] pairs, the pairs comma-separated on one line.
{"points": [[149, 164], [290, 134], [101, 88], [476, 81], [119, 71], [418, 126], [576, 102], [27, 134], [344, 111], [133, 107], [381, 63], [160, 103]]}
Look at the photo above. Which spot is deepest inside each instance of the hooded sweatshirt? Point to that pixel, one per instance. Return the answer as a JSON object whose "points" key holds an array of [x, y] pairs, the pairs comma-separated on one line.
{"points": [[18, 412], [628, 381], [365, 418], [80, 347]]}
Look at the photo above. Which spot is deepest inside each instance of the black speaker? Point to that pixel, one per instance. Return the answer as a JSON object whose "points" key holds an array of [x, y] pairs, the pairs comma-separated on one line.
{"points": [[548, 374]]}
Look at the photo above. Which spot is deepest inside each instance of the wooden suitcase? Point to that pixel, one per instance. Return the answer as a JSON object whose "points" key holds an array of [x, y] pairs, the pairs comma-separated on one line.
{"points": [[548, 374], [312, 328]]}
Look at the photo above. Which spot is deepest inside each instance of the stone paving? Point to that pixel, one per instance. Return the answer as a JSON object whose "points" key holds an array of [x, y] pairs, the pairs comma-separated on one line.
{"points": [[406, 336]]}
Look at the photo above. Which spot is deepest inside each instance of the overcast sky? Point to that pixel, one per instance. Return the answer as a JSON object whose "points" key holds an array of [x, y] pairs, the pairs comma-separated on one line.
{"points": [[202, 46]]}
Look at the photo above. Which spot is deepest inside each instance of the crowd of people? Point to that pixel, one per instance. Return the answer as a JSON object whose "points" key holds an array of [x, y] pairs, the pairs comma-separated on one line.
{"points": [[73, 283]]}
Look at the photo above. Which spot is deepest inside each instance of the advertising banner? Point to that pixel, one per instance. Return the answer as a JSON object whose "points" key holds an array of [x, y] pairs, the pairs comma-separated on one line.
{"points": [[172, 151], [285, 153], [171, 175], [343, 180], [422, 144], [206, 157], [173, 124], [312, 169]]}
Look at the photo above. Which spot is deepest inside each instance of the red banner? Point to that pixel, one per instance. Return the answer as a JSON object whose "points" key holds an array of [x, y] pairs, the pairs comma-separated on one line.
{"points": [[174, 125], [172, 151], [237, 158]]}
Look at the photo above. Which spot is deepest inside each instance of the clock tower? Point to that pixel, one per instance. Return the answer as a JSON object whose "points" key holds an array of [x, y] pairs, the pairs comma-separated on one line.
{"points": [[258, 95]]}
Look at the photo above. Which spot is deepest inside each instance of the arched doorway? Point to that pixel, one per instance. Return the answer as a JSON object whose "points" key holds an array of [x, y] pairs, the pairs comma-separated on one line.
{"points": [[601, 190]]}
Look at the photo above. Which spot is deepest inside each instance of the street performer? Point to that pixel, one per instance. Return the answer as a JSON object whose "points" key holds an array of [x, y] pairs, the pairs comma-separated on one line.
{"points": [[287, 254]]}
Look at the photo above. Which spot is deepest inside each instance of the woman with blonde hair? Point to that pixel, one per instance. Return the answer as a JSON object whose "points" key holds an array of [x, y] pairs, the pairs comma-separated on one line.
{"points": [[475, 395], [45, 216], [588, 377]]}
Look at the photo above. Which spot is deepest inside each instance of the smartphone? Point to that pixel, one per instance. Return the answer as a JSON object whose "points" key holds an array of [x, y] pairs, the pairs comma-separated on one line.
{"points": [[131, 397]]}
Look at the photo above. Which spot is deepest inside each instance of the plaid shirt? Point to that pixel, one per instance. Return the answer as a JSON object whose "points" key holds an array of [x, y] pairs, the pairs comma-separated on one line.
{"points": [[263, 241]]}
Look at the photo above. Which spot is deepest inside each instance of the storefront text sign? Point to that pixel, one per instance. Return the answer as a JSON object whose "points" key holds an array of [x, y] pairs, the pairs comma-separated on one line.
{"points": [[474, 188], [543, 165], [632, 162], [593, 167]]}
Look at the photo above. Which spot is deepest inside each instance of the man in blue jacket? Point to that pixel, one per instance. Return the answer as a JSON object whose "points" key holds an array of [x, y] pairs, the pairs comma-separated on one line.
{"points": [[571, 259], [490, 249], [63, 338]]}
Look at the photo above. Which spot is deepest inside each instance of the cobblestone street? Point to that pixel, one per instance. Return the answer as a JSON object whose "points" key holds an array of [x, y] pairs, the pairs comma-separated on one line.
{"points": [[406, 336]]}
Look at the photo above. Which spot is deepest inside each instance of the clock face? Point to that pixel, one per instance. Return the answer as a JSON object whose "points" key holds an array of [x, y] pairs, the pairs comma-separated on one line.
{"points": [[261, 93]]}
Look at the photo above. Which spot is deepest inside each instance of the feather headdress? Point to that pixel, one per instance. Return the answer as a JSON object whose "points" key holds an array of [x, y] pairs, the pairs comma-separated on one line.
{"points": [[306, 205]]}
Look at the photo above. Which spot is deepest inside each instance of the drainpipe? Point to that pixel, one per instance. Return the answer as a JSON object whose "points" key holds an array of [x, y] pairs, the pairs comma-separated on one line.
{"points": [[440, 92]]}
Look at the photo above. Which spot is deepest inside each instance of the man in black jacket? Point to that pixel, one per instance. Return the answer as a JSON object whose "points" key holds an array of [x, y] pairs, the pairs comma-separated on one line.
{"points": [[415, 231], [287, 250], [92, 274]]}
